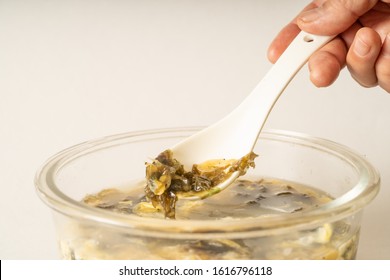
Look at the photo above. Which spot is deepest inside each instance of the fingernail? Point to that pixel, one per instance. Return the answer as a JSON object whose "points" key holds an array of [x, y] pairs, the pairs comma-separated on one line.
{"points": [[310, 15], [360, 47]]}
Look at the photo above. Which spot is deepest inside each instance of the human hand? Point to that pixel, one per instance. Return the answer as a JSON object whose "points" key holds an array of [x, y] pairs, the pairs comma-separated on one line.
{"points": [[363, 43]]}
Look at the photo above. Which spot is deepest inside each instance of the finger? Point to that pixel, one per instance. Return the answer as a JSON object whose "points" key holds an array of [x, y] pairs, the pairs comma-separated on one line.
{"points": [[281, 41], [285, 37], [333, 16], [383, 65], [349, 35], [362, 56], [326, 64]]}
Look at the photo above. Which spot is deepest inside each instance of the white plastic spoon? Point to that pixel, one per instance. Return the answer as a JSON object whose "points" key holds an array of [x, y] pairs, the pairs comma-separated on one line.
{"points": [[235, 135]]}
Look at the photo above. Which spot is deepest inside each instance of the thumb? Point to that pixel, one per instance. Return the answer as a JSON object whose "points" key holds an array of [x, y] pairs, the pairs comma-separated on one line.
{"points": [[332, 17]]}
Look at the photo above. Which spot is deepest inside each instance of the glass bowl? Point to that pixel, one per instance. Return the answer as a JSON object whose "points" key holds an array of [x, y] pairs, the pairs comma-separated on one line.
{"points": [[327, 231]]}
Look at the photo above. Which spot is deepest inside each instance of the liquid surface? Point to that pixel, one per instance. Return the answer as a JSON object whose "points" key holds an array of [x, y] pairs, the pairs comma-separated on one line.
{"points": [[242, 199]]}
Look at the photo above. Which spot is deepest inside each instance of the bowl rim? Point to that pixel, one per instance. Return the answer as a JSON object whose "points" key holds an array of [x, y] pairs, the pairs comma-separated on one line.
{"points": [[350, 202]]}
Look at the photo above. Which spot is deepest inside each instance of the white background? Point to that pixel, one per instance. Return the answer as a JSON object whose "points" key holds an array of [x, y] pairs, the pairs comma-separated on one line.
{"points": [[75, 70], [191, 270]]}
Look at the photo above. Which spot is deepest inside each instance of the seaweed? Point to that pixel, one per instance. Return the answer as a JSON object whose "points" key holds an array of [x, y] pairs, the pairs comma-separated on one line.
{"points": [[166, 178]]}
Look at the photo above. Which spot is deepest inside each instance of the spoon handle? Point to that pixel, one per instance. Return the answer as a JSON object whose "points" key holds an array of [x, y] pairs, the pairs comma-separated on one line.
{"points": [[273, 84], [288, 64], [235, 135]]}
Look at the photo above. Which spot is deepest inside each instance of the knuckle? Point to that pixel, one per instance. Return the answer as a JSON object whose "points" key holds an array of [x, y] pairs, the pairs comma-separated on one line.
{"points": [[355, 7], [366, 81], [367, 85]]}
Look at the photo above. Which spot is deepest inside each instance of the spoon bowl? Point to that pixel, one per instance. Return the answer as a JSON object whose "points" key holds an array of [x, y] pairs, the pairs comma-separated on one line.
{"points": [[235, 135]]}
